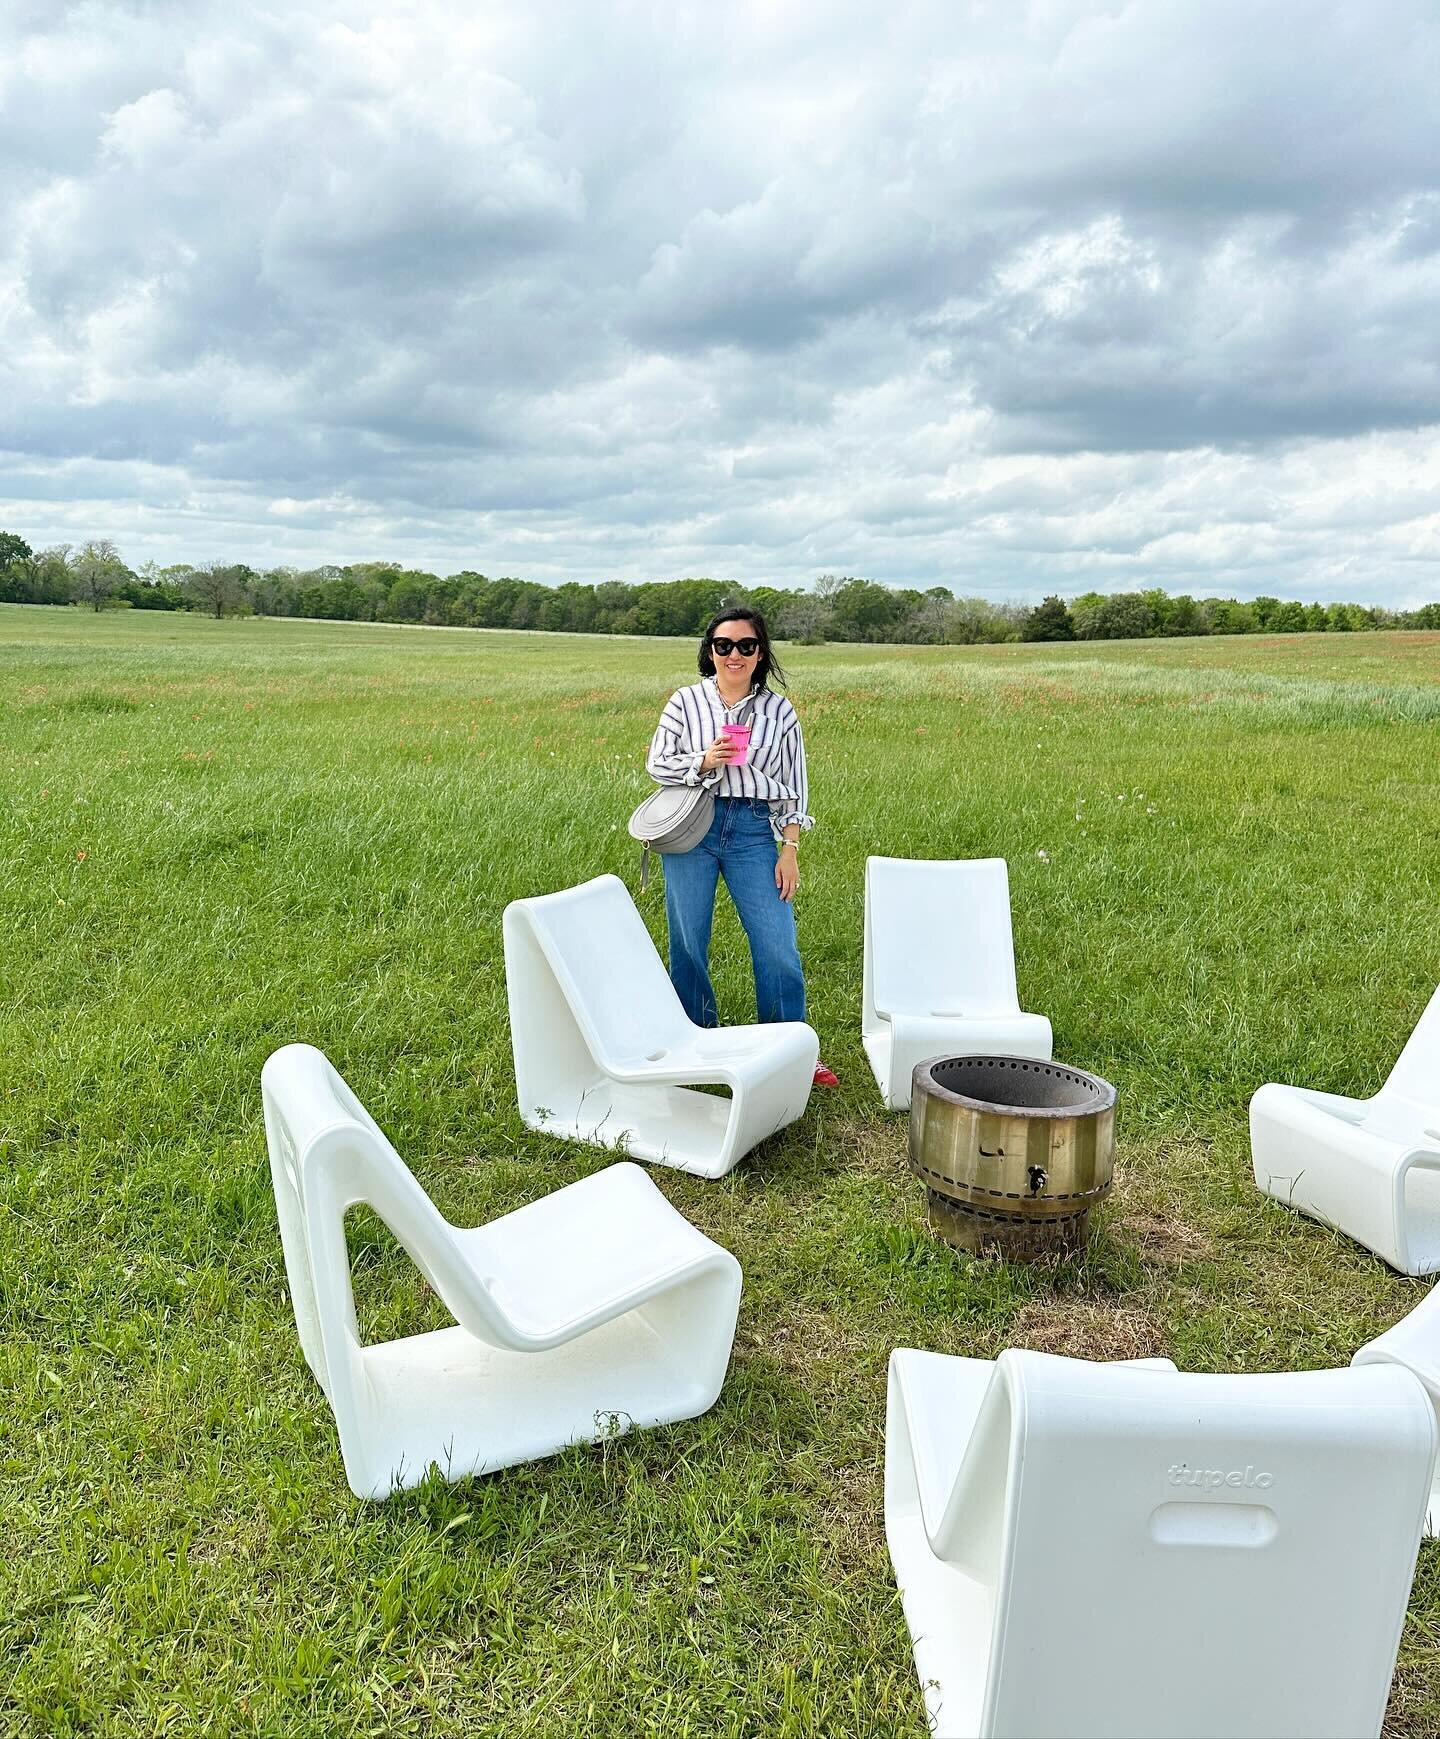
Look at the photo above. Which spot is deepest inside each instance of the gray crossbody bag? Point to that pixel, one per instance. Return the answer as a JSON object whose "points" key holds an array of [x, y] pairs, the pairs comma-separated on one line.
{"points": [[676, 818]]}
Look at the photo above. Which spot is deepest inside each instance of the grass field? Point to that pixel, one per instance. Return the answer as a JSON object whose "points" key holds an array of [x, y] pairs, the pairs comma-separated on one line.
{"points": [[220, 837]]}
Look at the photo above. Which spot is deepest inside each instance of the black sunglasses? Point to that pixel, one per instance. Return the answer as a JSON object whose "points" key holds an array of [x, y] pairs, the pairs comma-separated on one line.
{"points": [[746, 647]]}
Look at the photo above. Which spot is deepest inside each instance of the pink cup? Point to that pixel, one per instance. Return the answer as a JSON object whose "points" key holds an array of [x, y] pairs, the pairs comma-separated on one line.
{"points": [[740, 736]]}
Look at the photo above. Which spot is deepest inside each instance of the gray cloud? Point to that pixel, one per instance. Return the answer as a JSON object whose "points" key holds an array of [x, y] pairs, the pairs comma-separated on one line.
{"points": [[1004, 298]]}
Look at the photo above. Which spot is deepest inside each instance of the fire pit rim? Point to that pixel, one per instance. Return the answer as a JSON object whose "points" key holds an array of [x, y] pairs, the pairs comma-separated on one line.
{"points": [[993, 1107]]}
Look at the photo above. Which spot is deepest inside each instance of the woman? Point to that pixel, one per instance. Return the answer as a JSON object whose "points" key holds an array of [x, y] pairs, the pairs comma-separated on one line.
{"points": [[754, 840]]}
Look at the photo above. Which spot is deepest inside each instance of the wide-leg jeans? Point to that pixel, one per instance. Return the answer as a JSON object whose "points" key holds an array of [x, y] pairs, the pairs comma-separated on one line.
{"points": [[741, 847]]}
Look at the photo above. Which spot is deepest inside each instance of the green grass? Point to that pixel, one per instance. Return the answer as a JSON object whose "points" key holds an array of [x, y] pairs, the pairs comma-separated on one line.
{"points": [[220, 837]]}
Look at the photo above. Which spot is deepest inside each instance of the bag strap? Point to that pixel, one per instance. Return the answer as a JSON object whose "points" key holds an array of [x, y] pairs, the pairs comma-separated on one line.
{"points": [[747, 709]]}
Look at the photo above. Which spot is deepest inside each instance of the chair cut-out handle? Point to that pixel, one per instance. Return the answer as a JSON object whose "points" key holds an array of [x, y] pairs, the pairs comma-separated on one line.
{"points": [[1218, 1523]]}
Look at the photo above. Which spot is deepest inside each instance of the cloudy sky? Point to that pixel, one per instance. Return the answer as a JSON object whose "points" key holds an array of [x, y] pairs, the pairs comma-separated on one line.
{"points": [[1009, 297]]}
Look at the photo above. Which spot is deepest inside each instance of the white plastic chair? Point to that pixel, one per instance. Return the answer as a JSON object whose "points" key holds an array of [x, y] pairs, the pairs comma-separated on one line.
{"points": [[1414, 1342], [939, 969], [1124, 1551], [593, 1310], [1368, 1167], [605, 1053]]}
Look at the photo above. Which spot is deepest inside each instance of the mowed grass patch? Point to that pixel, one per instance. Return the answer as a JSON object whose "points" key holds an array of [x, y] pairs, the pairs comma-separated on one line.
{"points": [[221, 837]]}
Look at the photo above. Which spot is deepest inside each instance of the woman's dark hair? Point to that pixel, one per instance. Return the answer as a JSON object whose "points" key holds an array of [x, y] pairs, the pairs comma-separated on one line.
{"points": [[767, 666]]}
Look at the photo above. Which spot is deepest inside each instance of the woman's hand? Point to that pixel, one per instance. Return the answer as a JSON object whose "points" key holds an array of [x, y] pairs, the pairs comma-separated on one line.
{"points": [[787, 870], [720, 754]]}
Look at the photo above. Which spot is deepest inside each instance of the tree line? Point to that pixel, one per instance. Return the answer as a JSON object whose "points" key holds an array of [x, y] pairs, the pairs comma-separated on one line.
{"points": [[836, 607]]}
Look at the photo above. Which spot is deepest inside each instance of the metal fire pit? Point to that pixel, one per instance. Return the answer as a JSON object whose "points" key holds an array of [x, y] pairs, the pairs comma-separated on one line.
{"points": [[1013, 1152]]}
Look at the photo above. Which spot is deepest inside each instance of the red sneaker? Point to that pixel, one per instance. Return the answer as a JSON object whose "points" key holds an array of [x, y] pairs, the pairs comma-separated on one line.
{"points": [[825, 1077]]}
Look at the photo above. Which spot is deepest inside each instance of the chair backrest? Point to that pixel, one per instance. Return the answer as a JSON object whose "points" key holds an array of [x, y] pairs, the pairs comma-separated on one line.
{"points": [[938, 938], [1182, 1554], [1416, 1075], [326, 1155], [596, 945]]}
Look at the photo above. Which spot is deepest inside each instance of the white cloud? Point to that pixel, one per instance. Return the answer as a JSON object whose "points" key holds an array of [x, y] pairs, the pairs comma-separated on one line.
{"points": [[1011, 299]]}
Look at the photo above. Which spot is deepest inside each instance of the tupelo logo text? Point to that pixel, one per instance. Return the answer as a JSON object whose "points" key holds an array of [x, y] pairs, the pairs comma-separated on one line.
{"points": [[1213, 1478]]}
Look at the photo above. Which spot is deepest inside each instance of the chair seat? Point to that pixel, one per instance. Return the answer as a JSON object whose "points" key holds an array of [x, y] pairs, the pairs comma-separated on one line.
{"points": [[1406, 1122], [704, 1049], [585, 1252]]}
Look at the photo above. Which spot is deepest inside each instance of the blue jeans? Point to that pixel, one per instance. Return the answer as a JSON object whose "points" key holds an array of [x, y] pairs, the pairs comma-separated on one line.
{"points": [[741, 847]]}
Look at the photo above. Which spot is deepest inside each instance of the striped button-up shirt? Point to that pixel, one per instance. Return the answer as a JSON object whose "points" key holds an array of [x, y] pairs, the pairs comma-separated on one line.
{"points": [[774, 770]]}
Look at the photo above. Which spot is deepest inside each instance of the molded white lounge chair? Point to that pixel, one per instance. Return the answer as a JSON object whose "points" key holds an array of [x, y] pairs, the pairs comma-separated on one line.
{"points": [[1368, 1167], [595, 1309], [1089, 1550], [1414, 1342], [605, 1053], [939, 970]]}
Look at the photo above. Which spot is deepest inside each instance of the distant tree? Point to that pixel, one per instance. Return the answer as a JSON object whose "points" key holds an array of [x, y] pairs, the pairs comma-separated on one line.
{"points": [[1184, 616], [1229, 617], [927, 622], [1317, 619], [803, 619], [612, 599], [1122, 616], [863, 610], [771, 600], [408, 599], [218, 587], [979, 622], [153, 593], [682, 606], [17, 570], [97, 572], [1427, 616], [1267, 611], [1160, 604], [48, 573], [272, 593], [1289, 618], [1049, 620], [1086, 613], [13, 548]]}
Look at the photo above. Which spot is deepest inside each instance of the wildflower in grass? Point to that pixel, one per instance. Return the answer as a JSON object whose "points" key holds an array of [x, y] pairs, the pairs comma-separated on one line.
{"points": [[80, 856], [1044, 856]]}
